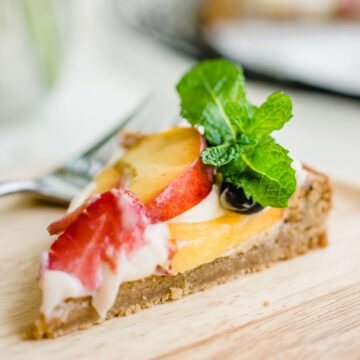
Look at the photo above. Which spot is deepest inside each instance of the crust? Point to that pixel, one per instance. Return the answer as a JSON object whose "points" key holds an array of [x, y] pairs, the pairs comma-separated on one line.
{"points": [[303, 229]]}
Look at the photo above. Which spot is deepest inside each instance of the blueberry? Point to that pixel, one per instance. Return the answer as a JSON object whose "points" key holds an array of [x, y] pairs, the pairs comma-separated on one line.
{"points": [[234, 199]]}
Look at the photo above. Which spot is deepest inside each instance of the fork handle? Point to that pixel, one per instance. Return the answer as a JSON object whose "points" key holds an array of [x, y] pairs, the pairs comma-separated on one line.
{"points": [[54, 195], [17, 186]]}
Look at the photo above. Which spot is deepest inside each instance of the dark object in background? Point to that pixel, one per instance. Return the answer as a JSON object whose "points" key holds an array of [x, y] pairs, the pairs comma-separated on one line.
{"points": [[313, 54]]}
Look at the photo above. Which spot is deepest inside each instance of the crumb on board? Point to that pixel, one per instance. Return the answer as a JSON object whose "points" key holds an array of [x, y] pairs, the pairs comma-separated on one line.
{"points": [[266, 303]]}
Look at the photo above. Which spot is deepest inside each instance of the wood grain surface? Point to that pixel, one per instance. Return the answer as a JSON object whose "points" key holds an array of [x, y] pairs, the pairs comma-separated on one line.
{"points": [[305, 308]]}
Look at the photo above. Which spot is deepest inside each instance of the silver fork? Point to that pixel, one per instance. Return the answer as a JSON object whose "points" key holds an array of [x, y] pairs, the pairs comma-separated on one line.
{"points": [[63, 183]]}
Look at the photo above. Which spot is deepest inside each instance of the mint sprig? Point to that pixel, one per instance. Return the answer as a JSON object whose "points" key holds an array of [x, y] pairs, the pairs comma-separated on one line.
{"points": [[204, 92], [238, 133], [220, 155]]}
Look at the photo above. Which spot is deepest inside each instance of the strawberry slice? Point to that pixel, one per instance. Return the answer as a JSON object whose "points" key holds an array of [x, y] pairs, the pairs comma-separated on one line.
{"points": [[59, 226], [112, 222]]}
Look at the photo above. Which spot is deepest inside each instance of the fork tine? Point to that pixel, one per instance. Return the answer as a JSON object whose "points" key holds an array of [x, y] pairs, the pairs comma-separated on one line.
{"points": [[156, 116], [152, 113], [130, 118], [156, 112]]}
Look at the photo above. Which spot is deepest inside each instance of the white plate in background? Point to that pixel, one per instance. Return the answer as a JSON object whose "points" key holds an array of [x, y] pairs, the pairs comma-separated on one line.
{"points": [[322, 54]]}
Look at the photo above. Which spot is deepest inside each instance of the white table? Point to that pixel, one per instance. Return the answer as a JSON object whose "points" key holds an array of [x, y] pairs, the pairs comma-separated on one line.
{"points": [[109, 69]]}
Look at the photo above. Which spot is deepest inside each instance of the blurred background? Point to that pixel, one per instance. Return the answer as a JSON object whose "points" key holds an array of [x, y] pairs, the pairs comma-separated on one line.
{"points": [[71, 70]]}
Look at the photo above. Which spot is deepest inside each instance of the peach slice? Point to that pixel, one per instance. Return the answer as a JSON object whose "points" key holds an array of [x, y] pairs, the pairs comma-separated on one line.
{"points": [[164, 171], [203, 242], [169, 175], [106, 179]]}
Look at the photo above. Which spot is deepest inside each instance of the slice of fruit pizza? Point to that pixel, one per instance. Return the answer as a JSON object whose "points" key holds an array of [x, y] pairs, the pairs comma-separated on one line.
{"points": [[183, 210]]}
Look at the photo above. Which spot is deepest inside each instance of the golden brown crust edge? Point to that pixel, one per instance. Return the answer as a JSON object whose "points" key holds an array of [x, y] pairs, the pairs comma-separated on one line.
{"points": [[304, 228]]}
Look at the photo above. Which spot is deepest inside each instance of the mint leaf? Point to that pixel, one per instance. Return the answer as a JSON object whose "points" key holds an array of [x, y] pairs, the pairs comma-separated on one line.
{"points": [[223, 154], [270, 180], [219, 155], [233, 170], [238, 133], [239, 115], [267, 153], [263, 190], [247, 140], [204, 91], [271, 115]]}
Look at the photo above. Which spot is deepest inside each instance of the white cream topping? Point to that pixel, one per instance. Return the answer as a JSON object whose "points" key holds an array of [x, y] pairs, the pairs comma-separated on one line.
{"points": [[58, 285], [144, 260], [207, 209]]}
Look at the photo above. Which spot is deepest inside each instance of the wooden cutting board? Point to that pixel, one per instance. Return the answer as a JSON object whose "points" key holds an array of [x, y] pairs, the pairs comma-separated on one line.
{"points": [[313, 307]]}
